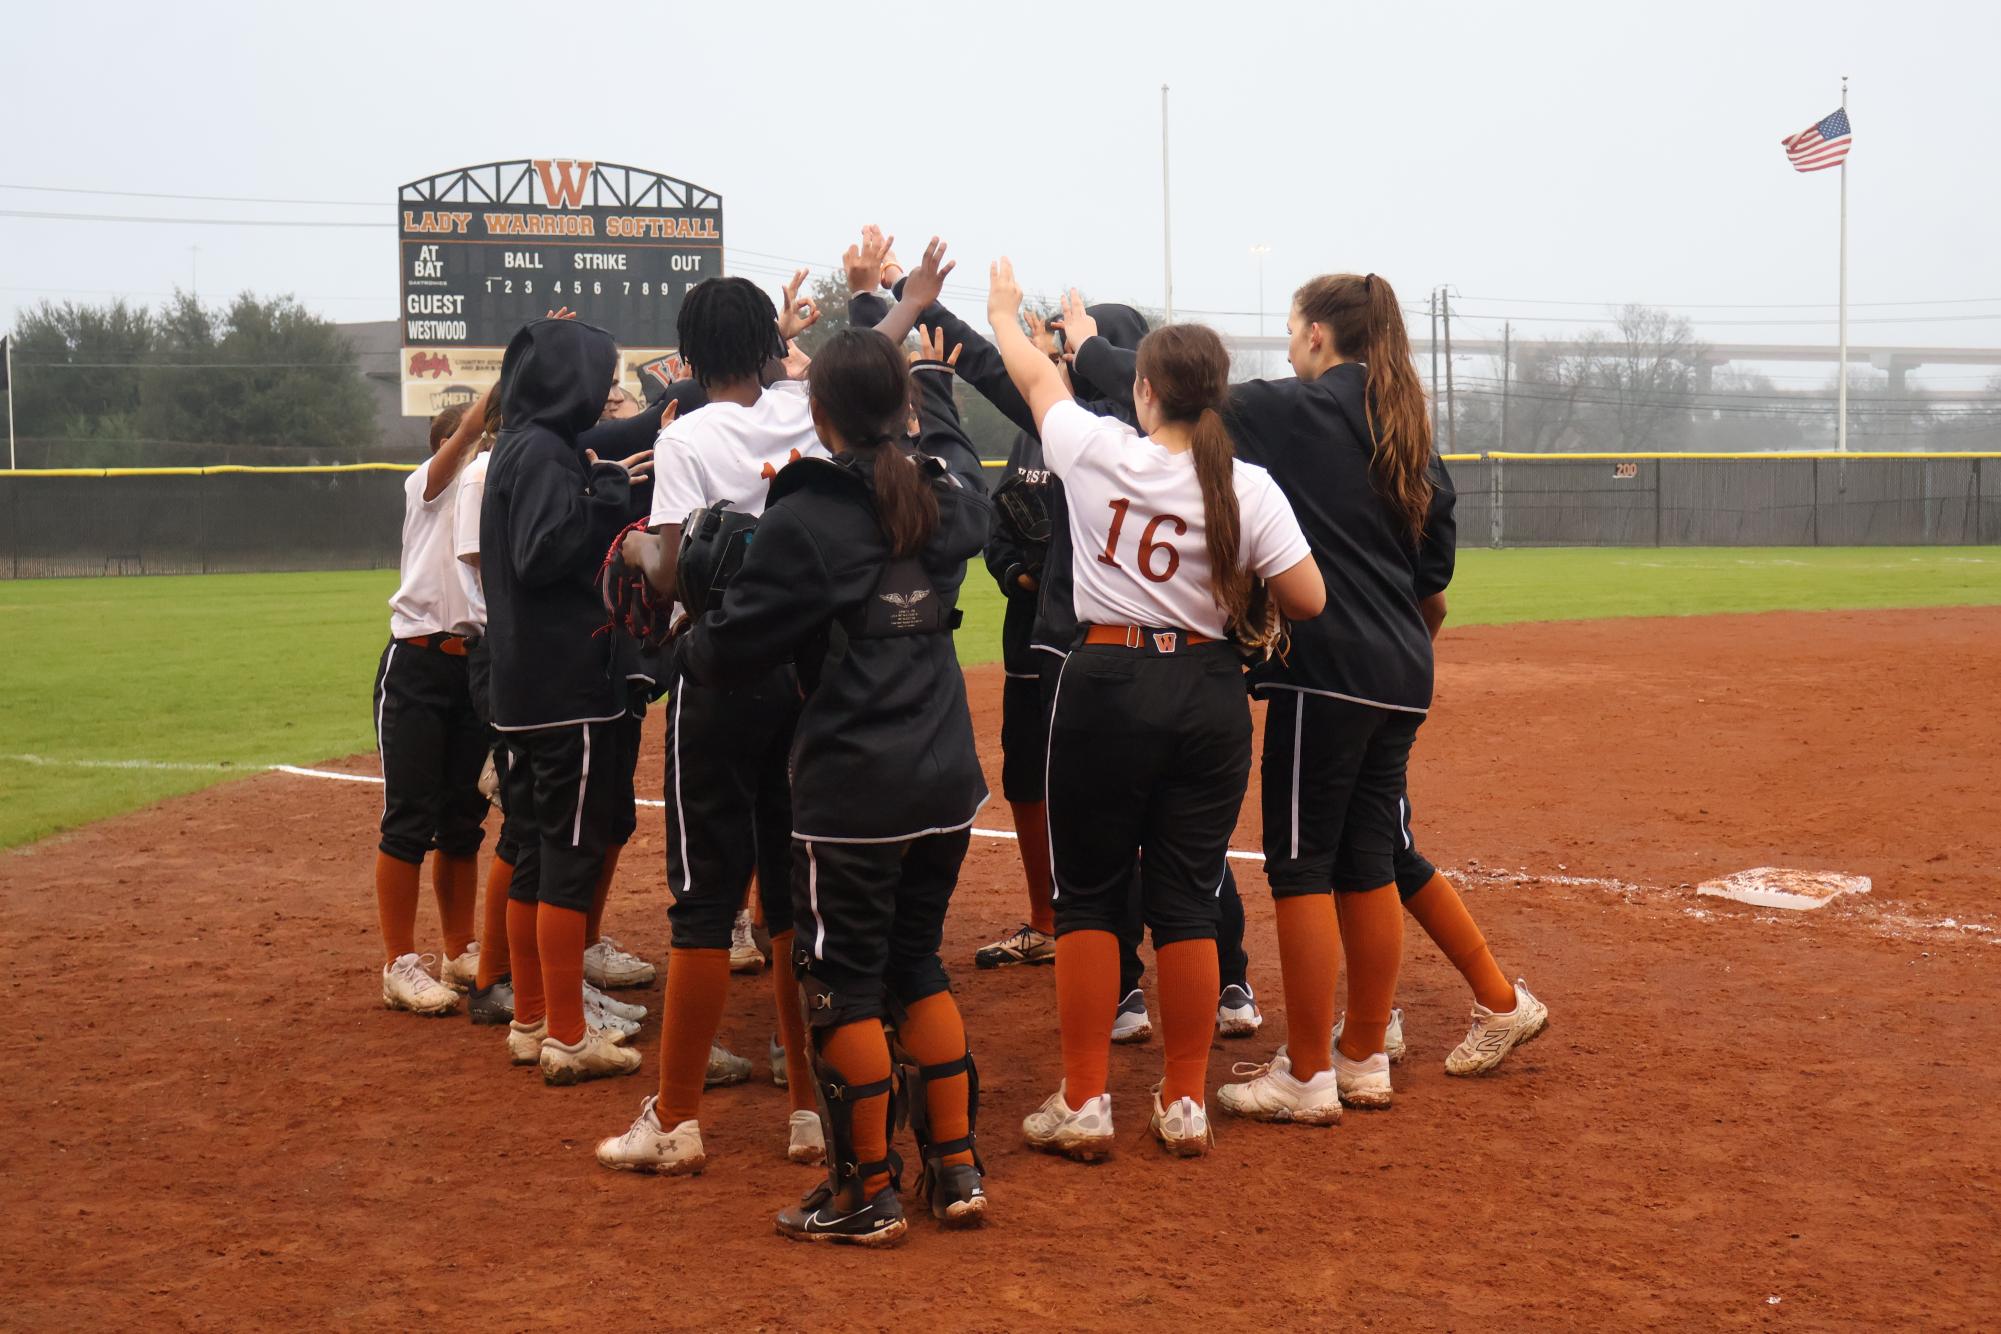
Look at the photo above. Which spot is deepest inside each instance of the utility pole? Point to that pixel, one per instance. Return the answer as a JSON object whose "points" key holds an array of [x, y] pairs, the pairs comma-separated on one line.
{"points": [[1507, 370], [1261, 249], [1434, 364], [1166, 211], [1451, 404]]}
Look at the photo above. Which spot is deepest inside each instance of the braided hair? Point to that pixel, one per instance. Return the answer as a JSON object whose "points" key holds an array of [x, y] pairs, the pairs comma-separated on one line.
{"points": [[728, 329]]}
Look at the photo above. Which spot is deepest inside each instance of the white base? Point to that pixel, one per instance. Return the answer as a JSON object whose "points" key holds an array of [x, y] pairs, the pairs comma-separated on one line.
{"points": [[1772, 887]]}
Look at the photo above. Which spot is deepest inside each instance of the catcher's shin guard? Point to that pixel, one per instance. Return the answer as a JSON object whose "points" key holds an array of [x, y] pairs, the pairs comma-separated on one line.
{"points": [[838, 1209], [955, 1191]]}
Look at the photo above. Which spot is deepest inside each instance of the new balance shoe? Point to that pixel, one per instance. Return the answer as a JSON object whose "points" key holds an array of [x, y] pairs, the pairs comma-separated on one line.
{"points": [[806, 1143], [596, 1055], [1393, 1043], [1492, 1036], [606, 965], [1083, 1133], [775, 1056], [491, 1005], [461, 972], [1272, 1093], [745, 956], [1363, 1083], [725, 1067], [1237, 1013], [1024, 944], [406, 985], [1131, 1023], [612, 1005], [825, 1215], [645, 1147], [1182, 1127]]}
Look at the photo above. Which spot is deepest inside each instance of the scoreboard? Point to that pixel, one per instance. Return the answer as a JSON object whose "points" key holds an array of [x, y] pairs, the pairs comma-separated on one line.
{"points": [[483, 250]]}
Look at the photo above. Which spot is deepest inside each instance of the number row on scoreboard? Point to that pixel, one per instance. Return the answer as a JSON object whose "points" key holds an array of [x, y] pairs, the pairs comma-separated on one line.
{"points": [[595, 287]]}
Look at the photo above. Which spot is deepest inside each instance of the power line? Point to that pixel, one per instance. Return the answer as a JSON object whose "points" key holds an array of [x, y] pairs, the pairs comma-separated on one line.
{"points": [[205, 199], [193, 222]]}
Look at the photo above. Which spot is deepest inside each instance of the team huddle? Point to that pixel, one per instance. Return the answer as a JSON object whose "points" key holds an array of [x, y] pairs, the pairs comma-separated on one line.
{"points": [[771, 550]]}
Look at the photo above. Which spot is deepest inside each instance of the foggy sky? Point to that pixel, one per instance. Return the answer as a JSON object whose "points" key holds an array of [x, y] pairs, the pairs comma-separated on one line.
{"points": [[1554, 152]]}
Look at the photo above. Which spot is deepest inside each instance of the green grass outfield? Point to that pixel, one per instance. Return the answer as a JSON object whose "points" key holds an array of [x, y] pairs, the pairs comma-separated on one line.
{"points": [[108, 682]]}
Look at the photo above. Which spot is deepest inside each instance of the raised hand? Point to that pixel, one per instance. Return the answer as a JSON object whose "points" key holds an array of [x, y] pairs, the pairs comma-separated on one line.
{"points": [[1043, 336], [864, 262], [796, 362], [1076, 322], [1003, 294], [927, 281], [931, 347], [797, 314], [561, 313]]}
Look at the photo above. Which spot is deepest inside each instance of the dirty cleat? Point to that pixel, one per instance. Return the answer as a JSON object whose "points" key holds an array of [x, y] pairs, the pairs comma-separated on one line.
{"points": [[606, 965], [1363, 1083], [612, 1005], [745, 956], [1493, 1036], [827, 1215], [461, 973], [645, 1147], [807, 1143], [524, 1041], [957, 1193], [1182, 1127], [1131, 1024], [1024, 944], [407, 986], [725, 1067], [1237, 1013], [1393, 1043], [775, 1055], [1083, 1133], [596, 1055], [597, 1016], [1271, 1093], [491, 1005]]}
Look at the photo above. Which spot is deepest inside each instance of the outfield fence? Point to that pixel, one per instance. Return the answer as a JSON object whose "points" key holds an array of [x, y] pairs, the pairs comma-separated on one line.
{"points": [[73, 521]]}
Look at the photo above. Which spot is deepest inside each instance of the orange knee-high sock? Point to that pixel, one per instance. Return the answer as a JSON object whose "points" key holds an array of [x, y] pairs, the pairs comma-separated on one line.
{"points": [[522, 933], [1309, 962], [799, 1081], [1372, 935], [559, 939], [455, 880], [1087, 994], [1031, 831], [396, 905], [1442, 913], [1190, 980], [594, 920], [933, 1033], [861, 1053], [493, 961], [697, 982]]}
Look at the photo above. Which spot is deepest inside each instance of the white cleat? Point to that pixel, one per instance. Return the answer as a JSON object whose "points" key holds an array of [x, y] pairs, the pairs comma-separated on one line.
{"points": [[725, 1068], [612, 1005], [1393, 1043], [1237, 1013], [645, 1147], [1493, 1036], [599, 1017], [1083, 1133], [606, 965], [524, 1041], [745, 956], [1131, 1023], [1271, 1093], [596, 1056], [1182, 1127], [461, 973], [1363, 1083], [808, 1143], [407, 986]]}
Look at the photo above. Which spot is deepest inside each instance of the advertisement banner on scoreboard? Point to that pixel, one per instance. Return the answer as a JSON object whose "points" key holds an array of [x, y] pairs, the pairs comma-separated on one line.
{"points": [[483, 250]]}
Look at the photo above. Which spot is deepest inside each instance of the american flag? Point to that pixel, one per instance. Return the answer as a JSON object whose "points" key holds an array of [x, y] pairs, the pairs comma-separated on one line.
{"points": [[1820, 145]]}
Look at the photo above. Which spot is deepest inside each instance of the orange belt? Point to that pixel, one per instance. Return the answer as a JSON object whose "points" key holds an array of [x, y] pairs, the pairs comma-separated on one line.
{"points": [[452, 644], [1133, 636]]}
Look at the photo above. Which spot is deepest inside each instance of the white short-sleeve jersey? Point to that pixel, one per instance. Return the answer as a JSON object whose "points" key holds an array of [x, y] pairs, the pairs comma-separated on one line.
{"points": [[429, 599], [1139, 552], [465, 540], [724, 451]]}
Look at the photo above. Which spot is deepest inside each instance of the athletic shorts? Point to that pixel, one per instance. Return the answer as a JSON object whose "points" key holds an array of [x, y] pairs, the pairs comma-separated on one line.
{"points": [[1334, 783], [1024, 734], [870, 919], [432, 746], [568, 793]]}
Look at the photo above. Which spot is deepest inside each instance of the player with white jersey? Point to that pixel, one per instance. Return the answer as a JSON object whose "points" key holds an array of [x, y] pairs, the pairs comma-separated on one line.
{"points": [[430, 742], [1150, 732]]}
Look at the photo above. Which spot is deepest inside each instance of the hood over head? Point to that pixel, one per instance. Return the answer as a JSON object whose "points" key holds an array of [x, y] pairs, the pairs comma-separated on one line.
{"points": [[1119, 325], [555, 375]]}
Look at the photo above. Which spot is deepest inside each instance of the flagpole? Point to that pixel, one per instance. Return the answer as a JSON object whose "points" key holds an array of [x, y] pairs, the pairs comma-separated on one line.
{"points": [[1841, 393]]}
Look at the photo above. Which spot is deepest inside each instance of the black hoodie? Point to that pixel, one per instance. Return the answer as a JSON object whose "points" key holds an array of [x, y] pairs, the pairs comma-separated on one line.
{"points": [[546, 524], [884, 749]]}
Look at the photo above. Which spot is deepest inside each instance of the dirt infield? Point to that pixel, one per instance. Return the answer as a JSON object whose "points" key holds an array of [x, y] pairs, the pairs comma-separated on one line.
{"points": [[1738, 1117]]}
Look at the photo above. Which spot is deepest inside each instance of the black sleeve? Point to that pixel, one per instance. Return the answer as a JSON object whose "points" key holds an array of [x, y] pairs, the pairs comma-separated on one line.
{"points": [[562, 519], [780, 598], [1438, 549], [867, 309], [1109, 369], [940, 433], [1007, 558]]}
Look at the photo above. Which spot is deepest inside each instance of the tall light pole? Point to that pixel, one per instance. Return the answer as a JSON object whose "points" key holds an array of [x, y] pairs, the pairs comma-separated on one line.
{"points": [[1261, 249], [1166, 211]]}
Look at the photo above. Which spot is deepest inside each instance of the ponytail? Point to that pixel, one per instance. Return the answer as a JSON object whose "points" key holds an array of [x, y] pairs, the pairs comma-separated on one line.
{"points": [[1367, 324], [1189, 372], [905, 505], [861, 382]]}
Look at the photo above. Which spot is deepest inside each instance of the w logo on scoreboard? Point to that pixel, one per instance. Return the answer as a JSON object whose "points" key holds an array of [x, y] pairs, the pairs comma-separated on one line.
{"points": [[563, 181]]}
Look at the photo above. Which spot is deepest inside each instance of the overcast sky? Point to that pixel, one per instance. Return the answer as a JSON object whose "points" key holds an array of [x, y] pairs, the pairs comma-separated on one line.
{"points": [[1528, 153]]}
